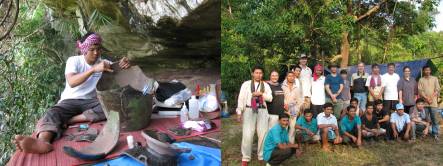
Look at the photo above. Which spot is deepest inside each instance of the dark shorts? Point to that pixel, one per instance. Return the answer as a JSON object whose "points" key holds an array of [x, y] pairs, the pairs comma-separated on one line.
{"points": [[280, 155], [59, 114]]}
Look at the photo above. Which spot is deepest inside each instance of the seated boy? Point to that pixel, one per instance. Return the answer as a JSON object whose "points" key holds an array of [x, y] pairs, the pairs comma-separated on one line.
{"points": [[307, 126], [370, 126], [350, 127], [327, 124], [276, 145], [420, 119], [400, 123]]}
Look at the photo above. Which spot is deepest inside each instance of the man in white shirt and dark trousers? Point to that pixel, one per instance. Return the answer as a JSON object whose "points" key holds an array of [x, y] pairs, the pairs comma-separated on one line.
{"points": [[78, 101], [305, 78], [390, 93], [252, 112]]}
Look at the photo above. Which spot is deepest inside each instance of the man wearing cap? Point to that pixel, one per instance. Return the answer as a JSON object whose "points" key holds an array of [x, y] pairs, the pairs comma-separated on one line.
{"points": [[252, 112], [305, 77], [400, 123], [78, 102], [334, 85]]}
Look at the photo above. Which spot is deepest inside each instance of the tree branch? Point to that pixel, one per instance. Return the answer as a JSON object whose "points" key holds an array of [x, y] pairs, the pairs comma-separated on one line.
{"points": [[371, 10]]}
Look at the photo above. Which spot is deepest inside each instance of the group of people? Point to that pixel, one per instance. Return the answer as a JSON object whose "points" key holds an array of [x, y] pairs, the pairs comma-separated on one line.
{"points": [[309, 107]]}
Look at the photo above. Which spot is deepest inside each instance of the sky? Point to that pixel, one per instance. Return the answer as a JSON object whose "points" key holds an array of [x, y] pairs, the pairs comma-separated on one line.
{"points": [[439, 18]]}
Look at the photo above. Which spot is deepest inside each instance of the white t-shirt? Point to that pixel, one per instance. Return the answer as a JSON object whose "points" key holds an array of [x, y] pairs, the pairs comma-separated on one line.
{"points": [[322, 119], [318, 91], [86, 90], [390, 84], [305, 77]]}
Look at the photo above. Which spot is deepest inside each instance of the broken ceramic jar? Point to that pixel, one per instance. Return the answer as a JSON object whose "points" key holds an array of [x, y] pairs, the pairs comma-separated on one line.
{"points": [[129, 92]]}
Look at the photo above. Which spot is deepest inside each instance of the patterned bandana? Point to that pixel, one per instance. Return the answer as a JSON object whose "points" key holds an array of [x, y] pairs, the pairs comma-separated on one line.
{"points": [[316, 68], [90, 40]]}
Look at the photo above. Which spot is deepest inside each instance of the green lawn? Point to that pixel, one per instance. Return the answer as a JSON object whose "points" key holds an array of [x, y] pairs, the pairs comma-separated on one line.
{"points": [[423, 152]]}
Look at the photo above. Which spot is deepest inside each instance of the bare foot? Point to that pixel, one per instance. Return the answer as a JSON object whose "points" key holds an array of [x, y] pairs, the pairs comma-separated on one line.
{"points": [[16, 141], [32, 145], [298, 153], [326, 149]]}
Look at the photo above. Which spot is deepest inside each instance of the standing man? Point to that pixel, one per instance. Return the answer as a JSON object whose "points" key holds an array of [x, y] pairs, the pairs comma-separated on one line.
{"points": [[277, 147], [293, 99], [318, 93], [251, 110], [358, 82], [305, 77], [328, 126], [345, 94], [78, 102], [374, 84], [276, 107], [407, 89], [390, 81], [429, 89], [334, 86]]}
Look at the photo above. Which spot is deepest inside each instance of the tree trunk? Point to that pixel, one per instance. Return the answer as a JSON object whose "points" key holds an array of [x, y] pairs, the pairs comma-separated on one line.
{"points": [[344, 49]]}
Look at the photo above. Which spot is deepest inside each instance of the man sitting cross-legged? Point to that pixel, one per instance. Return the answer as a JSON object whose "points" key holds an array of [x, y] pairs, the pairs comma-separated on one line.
{"points": [[276, 146], [400, 123], [78, 101], [420, 119], [328, 126], [370, 126], [350, 126], [307, 128]]}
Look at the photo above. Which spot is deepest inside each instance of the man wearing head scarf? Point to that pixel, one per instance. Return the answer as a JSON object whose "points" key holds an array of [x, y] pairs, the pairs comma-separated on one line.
{"points": [[78, 102], [318, 92]]}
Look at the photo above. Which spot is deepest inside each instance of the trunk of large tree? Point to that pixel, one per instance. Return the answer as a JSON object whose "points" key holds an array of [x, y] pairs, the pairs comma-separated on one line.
{"points": [[344, 49]]}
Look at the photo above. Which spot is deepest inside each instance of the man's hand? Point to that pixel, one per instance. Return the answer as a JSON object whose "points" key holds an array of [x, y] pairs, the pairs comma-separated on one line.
{"points": [[239, 118], [379, 96], [354, 139], [124, 63], [293, 145], [359, 142], [406, 136], [257, 94], [337, 140], [334, 127], [375, 132], [286, 107], [102, 66], [395, 134], [310, 133]]}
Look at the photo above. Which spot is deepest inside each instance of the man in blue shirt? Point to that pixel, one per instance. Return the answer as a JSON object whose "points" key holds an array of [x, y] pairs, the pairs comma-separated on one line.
{"points": [[276, 146], [334, 85], [400, 123], [308, 128], [350, 127]]}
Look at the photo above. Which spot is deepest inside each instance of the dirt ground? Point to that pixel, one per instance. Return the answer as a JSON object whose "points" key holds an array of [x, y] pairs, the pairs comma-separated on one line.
{"points": [[422, 152]]}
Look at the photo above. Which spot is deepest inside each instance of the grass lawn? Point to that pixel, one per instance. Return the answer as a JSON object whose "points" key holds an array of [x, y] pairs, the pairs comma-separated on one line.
{"points": [[422, 152]]}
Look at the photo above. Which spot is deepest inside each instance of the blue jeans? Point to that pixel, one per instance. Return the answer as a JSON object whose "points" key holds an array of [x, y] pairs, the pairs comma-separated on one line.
{"points": [[434, 113], [362, 100]]}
